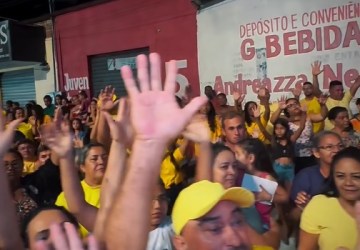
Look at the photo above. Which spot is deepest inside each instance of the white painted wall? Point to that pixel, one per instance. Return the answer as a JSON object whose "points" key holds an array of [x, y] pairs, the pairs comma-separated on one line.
{"points": [[44, 79]]}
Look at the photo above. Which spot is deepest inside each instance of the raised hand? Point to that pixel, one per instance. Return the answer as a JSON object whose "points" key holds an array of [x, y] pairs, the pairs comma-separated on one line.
{"points": [[256, 111], [120, 128], [57, 135], [316, 68], [106, 97], [282, 98], [197, 131], [155, 115], [282, 105], [302, 199], [238, 97], [66, 239], [322, 99], [296, 92], [7, 134]]}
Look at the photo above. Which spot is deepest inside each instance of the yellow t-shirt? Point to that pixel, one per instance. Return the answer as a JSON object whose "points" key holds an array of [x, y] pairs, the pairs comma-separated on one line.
{"points": [[92, 196], [168, 172], [313, 107], [254, 131], [325, 217], [273, 107], [29, 167], [331, 103], [26, 129]]}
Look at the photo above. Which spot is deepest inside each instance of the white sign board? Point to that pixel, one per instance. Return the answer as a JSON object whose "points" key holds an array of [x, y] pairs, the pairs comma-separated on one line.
{"points": [[244, 44]]}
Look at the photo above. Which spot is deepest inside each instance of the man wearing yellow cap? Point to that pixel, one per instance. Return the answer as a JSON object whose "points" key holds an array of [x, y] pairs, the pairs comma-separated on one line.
{"points": [[206, 216]]}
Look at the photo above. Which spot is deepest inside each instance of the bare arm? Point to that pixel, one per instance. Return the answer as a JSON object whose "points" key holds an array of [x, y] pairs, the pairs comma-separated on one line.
{"points": [[199, 132], [308, 241], [93, 133], [319, 117], [121, 134], [277, 113], [9, 230], [355, 86], [133, 200], [316, 71], [58, 137], [298, 132]]}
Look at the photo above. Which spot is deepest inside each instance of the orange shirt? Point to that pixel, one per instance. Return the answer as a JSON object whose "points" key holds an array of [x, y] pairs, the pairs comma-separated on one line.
{"points": [[356, 124]]}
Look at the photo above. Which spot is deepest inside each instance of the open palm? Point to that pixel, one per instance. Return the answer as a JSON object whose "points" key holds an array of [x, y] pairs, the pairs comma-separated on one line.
{"points": [[57, 136], [155, 114], [7, 134]]}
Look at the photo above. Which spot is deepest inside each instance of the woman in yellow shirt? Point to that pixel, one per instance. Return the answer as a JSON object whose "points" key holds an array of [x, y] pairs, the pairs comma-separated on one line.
{"points": [[256, 123], [92, 161], [328, 221]]}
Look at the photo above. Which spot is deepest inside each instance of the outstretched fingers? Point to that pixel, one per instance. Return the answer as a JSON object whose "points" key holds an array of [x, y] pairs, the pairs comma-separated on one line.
{"points": [[192, 107], [170, 81], [155, 71]]}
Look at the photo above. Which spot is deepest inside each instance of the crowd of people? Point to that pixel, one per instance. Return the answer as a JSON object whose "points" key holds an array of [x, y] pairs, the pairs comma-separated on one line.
{"points": [[155, 171]]}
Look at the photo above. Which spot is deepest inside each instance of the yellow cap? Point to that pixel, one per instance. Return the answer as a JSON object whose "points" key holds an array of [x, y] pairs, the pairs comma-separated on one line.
{"points": [[199, 198]]}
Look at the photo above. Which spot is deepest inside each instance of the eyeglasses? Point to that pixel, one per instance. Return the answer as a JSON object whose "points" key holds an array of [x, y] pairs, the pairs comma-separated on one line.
{"points": [[331, 148]]}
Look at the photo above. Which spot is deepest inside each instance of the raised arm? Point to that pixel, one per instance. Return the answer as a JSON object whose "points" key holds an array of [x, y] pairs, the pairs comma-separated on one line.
{"points": [[58, 137], [238, 101], [323, 112], [107, 104], [157, 120], [278, 112], [355, 86], [121, 135], [9, 231], [316, 71], [298, 132], [198, 132]]}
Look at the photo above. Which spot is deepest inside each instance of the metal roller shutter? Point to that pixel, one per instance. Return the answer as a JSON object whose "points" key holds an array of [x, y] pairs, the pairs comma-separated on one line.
{"points": [[18, 86], [105, 70]]}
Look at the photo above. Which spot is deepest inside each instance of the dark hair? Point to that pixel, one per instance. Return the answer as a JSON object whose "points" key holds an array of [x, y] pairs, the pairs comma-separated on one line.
{"points": [[247, 115], [334, 112], [16, 153], [83, 93], [285, 123], [19, 136], [262, 158], [9, 102], [335, 83], [229, 115], [48, 98], [321, 135], [216, 149], [307, 83], [211, 116], [357, 101], [19, 108], [30, 216], [81, 124], [42, 148], [16, 104], [39, 113], [85, 151], [286, 112], [25, 141], [349, 152], [221, 94]]}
